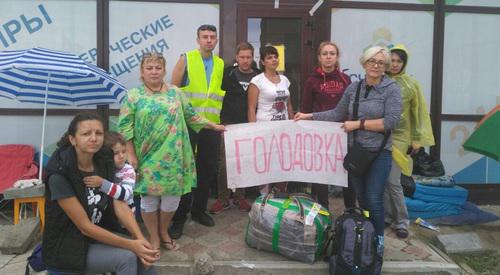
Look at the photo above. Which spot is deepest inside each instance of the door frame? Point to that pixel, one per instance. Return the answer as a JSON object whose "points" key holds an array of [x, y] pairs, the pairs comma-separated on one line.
{"points": [[267, 10]]}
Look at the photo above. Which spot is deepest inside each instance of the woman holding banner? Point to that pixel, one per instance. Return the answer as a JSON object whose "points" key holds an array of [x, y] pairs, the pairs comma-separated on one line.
{"points": [[378, 112], [154, 119], [323, 90], [268, 96]]}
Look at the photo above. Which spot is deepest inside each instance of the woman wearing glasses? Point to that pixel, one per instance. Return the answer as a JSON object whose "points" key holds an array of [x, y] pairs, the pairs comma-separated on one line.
{"points": [[154, 119], [413, 131], [379, 111]]}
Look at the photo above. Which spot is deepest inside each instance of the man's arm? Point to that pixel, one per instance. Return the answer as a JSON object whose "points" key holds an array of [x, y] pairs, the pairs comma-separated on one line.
{"points": [[178, 72]]}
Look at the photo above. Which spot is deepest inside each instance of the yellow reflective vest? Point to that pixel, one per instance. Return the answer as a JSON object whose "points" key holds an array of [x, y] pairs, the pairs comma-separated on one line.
{"points": [[207, 101]]}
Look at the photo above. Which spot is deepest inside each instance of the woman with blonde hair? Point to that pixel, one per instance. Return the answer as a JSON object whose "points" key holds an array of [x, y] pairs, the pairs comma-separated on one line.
{"points": [[322, 91], [379, 110], [153, 120]]}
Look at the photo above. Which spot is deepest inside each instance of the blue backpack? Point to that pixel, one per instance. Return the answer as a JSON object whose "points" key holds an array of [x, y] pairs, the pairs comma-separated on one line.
{"points": [[354, 249], [35, 260]]}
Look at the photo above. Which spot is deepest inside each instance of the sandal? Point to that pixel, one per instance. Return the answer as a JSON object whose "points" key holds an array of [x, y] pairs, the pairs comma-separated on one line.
{"points": [[170, 245]]}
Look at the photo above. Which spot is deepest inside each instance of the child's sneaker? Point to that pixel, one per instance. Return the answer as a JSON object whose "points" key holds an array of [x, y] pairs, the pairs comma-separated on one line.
{"points": [[219, 206], [242, 204]]}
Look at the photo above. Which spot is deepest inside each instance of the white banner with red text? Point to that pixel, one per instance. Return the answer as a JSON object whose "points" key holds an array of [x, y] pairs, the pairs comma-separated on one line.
{"points": [[278, 151]]}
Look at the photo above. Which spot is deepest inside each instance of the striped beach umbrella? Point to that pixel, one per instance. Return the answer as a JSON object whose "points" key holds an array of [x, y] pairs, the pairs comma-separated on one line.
{"points": [[45, 76]]}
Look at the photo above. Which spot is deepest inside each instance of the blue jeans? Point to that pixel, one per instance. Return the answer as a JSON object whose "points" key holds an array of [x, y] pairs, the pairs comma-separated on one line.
{"points": [[370, 189], [102, 258]]}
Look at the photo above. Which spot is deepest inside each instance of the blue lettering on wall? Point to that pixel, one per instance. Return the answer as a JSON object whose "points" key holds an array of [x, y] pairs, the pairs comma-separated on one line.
{"points": [[353, 77], [138, 36], [31, 23], [130, 62], [135, 38]]}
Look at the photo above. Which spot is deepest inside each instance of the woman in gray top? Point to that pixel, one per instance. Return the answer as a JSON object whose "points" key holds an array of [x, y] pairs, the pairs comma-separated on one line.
{"points": [[379, 111]]}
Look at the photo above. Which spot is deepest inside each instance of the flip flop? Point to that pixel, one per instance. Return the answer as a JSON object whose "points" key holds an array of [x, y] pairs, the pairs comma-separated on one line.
{"points": [[170, 245]]}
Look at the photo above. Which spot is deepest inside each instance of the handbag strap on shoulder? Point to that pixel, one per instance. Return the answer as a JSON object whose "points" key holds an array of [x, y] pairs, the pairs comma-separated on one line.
{"points": [[355, 107]]}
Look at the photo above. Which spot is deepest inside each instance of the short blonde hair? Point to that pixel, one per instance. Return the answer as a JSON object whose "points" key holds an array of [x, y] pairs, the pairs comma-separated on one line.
{"points": [[155, 57], [374, 50]]}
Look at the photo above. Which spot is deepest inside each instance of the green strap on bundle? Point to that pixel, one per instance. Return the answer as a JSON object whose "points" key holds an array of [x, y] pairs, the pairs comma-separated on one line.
{"points": [[277, 225], [279, 217], [319, 237]]}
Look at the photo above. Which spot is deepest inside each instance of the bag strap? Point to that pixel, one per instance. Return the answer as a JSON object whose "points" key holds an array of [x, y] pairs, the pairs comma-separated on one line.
{"points": [[354, 209], [384, 142], [355, 107], [327, 245], [301, 209]]}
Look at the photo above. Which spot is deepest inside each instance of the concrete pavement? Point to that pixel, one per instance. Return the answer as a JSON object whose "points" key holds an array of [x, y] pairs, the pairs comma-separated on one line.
{"points": [[222, 249]]}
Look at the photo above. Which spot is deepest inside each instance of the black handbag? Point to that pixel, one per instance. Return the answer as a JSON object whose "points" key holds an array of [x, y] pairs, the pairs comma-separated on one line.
{"points": [[408, 185], [427, 166], [359, 160]]}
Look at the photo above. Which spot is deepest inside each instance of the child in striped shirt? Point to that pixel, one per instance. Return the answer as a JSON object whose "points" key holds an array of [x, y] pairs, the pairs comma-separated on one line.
{"points": [[123, 189]]}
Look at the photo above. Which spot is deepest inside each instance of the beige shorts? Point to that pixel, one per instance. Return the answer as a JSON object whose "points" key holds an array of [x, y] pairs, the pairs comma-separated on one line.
{"points": [[165, 203]]}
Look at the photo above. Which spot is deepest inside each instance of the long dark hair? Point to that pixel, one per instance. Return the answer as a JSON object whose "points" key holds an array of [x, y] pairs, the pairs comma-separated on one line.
{"points": [[73, 126]]}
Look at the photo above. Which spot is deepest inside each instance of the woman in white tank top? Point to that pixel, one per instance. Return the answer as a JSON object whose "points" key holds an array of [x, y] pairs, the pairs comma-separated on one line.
{"points": [[269, 97]]}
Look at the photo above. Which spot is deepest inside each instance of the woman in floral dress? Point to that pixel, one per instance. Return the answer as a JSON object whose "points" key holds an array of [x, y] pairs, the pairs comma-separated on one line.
{"points": [[154, 119]]}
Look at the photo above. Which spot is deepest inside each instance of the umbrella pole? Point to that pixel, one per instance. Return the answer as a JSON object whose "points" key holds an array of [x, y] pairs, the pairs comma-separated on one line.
{"points": [[40, 170]]}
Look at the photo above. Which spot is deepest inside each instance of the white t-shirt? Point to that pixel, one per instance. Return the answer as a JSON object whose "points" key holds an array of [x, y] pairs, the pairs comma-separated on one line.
{"points": [[273, 98]]}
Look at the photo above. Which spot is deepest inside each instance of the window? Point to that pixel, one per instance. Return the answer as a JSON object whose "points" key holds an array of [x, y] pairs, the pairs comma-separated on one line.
{"points": [[356, 29], [58, 25], [471, 62], [169, 28], [466, 167]]}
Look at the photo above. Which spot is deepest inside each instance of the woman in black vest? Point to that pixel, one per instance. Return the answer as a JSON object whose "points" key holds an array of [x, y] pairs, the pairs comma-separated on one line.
{"points": [[78, 235]]}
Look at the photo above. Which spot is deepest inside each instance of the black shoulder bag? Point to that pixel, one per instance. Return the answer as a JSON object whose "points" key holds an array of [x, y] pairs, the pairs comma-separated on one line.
{"points": [[359, 160]]}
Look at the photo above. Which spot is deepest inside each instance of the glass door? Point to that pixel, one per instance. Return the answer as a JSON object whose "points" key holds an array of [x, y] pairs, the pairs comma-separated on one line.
{"points": [[285, 29]]}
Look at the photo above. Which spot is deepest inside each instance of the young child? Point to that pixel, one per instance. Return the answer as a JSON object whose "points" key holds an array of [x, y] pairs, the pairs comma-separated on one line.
{"points": [[124, 176]]}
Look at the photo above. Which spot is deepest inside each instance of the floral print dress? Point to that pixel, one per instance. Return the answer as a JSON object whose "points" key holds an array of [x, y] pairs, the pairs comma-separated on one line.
{"points": [[157, 124]]}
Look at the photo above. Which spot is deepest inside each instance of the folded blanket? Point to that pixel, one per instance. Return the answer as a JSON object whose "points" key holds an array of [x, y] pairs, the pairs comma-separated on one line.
{"points": [[443, 181], [455, 195], [427, 210]]}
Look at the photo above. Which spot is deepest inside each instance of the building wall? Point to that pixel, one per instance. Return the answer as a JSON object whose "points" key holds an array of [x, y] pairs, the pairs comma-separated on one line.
{"points": [[454, 52]]}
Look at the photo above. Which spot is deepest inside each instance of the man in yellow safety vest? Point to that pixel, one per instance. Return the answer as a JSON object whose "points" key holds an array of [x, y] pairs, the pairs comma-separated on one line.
{"points": [[199, 74]]}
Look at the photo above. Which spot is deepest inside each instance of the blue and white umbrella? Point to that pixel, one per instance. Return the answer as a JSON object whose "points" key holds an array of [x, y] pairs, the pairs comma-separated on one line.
{"points": [[45, 76]]}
